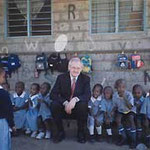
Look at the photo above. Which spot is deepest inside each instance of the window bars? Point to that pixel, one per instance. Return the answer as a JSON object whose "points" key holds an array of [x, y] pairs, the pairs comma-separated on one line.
{"points": [[112, 16], [28, 18]]}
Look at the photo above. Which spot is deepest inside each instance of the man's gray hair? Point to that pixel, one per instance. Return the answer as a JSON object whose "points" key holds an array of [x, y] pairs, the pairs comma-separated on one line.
{"points": [[75, 59]]}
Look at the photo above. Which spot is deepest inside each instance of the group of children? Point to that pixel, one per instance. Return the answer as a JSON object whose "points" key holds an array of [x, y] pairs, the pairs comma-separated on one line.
{"points": [[31, 111], [130, 111]]}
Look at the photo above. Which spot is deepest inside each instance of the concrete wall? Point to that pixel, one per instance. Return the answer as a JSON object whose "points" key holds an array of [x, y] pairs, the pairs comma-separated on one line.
{"points": [[103, 48]]}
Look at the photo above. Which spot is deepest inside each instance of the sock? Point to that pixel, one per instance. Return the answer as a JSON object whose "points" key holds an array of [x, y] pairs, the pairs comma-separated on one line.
{"points": [[109, 132], [99, 130], [91, 130]]}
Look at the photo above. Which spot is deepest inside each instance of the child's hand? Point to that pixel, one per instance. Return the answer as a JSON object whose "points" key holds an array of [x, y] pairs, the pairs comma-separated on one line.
{"points": [[14, 129], [16, 108]]}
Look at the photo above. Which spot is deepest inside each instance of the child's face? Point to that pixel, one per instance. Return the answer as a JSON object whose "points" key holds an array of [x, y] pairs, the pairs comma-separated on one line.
{"points": [[33, 90], [2, 78], [121, 89], [97, 92], [108, 93], [44, 90], [19, 89], [138, 93]]}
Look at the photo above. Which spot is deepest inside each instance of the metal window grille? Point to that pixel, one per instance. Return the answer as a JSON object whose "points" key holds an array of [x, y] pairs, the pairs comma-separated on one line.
{"points": [[28, 18], [109, 16]]}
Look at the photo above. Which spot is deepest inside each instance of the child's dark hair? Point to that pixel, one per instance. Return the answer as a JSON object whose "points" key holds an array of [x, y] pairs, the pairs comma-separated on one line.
{"points": [[21, 83], [108, 87], [136, 86], [48, 85], [119, 81], [100, 86], [37, 86]]}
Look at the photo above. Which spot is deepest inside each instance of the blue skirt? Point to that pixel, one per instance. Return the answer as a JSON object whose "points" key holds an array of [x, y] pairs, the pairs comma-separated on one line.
{"points": [[5, 140]]}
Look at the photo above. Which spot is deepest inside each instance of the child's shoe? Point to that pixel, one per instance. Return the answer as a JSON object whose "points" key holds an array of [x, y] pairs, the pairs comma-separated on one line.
{"points": [[99, 138], [28, 131], [92, 139], [48, 135], [40, 136], [109, 139], [34, 134]]}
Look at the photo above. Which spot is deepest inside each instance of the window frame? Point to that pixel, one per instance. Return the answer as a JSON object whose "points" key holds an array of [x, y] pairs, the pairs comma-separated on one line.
{"points": [[117, 20], [5, 2]]}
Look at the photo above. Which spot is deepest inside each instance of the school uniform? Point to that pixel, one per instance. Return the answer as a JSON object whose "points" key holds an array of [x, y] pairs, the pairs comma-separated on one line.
{"points": [[44, 110], [32, 113], [125, 112], [20, 115], [96, 109], [6, 119]]}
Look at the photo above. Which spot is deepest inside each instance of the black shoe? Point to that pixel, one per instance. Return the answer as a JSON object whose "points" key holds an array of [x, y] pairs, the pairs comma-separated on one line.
{"points": [[92, 139], [99, 138], [121, 142], [81, 138], [109, 139], [60, 136]]}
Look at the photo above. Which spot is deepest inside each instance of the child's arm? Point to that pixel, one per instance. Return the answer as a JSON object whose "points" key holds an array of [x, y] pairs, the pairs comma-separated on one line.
{"points": [[129, 105]]}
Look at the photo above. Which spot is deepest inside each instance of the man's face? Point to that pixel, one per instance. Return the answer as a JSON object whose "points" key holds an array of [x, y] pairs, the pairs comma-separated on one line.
{"points": [[75, 68], [2, 78]]}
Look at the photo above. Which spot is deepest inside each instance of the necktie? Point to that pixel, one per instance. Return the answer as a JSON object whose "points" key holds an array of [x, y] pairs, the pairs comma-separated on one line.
{"points": [[73, 87]]}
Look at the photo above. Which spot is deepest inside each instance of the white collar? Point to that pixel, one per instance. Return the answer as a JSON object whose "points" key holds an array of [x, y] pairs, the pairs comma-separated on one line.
{"points": [[32, 97], [71, 77], [22, 95], [94, 99], [1, 87]]}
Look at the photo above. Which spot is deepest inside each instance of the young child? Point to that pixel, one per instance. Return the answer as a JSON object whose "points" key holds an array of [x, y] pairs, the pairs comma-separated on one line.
{"points": [[138, 101], [108, 106], [6, 115], [123, 102], [145, 109], [32, 111], [96, 114], [19, 102], [44, 115]]}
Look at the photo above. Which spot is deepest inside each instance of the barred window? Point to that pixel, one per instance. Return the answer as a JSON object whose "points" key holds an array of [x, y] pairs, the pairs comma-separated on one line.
{"points": [[111, 16], [28, 18]]}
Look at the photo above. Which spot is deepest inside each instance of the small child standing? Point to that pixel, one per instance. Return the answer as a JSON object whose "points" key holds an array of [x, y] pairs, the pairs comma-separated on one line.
{"points": [[123, 103], [6, 115], [19, 105], [96, 113], [108, 118], [32, 112], [145, 109], [44, 114], [138, 102]]}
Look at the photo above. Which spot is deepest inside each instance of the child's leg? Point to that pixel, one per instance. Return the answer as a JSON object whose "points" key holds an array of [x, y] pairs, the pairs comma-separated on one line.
{"points": [[40, 128], [109, 131], [47, 124], [147, 131], [121, 129], [139, 129], [133, 129], [98, 125]]}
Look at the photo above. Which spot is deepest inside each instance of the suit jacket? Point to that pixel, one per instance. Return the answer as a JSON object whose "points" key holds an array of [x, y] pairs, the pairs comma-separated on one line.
{"points": [[62, 88]]}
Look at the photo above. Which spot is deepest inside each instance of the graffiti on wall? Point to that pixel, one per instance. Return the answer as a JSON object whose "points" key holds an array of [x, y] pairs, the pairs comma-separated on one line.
{"points": [[146, 77], [71, 11], [31, 45]]}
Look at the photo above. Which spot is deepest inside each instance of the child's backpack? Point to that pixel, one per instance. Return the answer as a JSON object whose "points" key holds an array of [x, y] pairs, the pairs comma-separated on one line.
{"points": [[4, 64], [13, 62], [136, 61], [53, 61], [41, 62], [87, 64], [122, 61], [10, 63], [62, 65]]}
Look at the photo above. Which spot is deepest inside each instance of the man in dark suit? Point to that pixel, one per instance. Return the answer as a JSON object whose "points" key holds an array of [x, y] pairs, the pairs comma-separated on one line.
{"points": [[70, 96]]}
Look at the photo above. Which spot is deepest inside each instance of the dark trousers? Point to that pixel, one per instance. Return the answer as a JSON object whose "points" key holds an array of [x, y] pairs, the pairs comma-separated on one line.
{"points": [[79, 113]]}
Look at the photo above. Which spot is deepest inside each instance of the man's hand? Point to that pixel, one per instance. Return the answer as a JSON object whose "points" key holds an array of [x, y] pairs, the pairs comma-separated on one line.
{"points": [[70, 105]]}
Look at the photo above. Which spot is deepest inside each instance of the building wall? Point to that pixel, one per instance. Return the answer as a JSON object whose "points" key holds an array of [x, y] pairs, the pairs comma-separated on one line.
{"points": [[103, 48]]}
